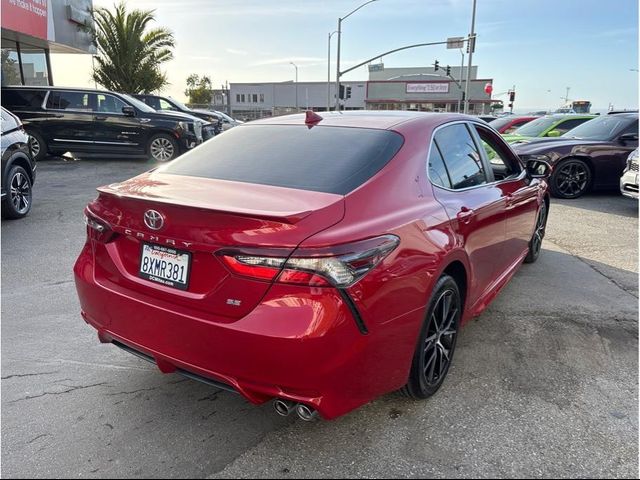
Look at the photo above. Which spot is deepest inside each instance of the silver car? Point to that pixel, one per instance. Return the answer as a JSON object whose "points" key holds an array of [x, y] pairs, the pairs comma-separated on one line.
{"points": [[629, 179]]}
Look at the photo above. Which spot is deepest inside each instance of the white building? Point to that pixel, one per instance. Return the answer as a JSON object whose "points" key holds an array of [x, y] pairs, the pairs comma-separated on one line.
{"points": [[257, 100]]}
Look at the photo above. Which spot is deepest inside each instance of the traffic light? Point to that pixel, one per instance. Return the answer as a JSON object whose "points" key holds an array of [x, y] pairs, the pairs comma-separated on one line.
{"points": [[436, 66], [448, 71], [341, 95], [463, 95], [511, 105], [348, 92], [512, 95]]}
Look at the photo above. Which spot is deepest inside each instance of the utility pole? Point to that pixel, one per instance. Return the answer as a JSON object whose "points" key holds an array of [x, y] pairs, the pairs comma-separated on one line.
{"points": [[461, 72], [471, 44], [338, 53], [329, 72], [296, 67], [566, 97]]}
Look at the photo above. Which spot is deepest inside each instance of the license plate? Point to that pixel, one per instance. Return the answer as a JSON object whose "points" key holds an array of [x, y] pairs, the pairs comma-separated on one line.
{"points": [[165, 265]]}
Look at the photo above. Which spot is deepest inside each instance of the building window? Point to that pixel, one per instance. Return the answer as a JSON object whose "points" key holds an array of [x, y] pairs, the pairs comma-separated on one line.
{"points": [[237, 98], [34, 65], [255, 98], [10, 64], [242, 98], [262, 98]]}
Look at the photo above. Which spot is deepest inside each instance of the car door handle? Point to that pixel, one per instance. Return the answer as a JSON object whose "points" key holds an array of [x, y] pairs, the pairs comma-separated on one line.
{"points": [[465, 214], [100, 117]]}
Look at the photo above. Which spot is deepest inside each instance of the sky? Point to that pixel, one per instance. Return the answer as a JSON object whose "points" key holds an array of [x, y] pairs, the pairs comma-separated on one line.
{"points": [[540, 46]]}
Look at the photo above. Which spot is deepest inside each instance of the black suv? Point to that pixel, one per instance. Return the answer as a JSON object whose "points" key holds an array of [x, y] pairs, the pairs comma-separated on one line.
{"points": [[97, 122], [18, 168]]}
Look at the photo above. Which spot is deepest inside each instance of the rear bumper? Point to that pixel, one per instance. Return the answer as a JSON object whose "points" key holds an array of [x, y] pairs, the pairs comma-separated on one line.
{"points": [[299, 343]]}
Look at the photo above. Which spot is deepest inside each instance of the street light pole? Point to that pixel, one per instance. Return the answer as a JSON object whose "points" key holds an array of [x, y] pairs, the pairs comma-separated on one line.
{"points": [[471, 43], [461, 70], [329, 71], [296, 67], [338, 52]]}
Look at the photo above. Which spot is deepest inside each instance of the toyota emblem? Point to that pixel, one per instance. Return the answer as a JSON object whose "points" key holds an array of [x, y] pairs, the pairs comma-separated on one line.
{"points": [[153, 219]]}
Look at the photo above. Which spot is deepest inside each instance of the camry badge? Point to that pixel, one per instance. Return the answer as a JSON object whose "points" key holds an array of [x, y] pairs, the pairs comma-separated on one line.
{"points": [[153, 219]]}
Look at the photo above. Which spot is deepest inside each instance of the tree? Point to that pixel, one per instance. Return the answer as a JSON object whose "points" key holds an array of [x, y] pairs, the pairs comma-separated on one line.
{"points": [[10, 69], [199, 89], [130, 54]]}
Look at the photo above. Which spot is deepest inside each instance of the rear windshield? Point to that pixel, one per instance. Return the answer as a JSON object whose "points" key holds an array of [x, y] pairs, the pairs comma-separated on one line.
{"points": [[22, 98], [321, 159]]}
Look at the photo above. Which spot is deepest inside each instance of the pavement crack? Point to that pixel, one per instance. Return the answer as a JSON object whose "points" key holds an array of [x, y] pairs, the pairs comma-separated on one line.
{"points": [[21, 375], [39, 436], [71, 389], [612, 280], [133, 391]]}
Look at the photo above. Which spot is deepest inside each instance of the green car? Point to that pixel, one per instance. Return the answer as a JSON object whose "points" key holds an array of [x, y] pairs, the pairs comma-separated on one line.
{"points": [[547, 126]]}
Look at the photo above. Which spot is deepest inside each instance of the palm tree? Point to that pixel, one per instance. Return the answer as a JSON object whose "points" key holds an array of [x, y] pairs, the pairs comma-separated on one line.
{"points": [[129, 55]]}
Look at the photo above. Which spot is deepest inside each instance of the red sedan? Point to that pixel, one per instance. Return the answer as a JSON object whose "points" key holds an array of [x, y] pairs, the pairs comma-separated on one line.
{"points": [[320, 261], [509, 123]]}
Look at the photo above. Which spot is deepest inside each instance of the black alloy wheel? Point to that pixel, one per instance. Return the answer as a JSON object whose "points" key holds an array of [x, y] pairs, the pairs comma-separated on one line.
{"points": [[535, 244], [437, 343], [571, 179], [17, 202]]}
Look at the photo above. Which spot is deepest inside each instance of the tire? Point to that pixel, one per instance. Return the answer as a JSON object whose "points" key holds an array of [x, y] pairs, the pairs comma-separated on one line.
{"points": [[437, 337], [162, 147], [535, 244], [37, 145], [571, 178], [17, 202]]}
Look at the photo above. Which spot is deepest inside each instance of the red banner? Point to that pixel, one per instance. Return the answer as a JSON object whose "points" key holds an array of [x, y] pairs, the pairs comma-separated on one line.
{"points": [[25, 16]]}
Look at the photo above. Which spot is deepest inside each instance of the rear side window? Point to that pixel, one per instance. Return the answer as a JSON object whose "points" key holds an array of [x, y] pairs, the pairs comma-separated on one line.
{"points": [[567, 125], [461, 156], [22, 98], [78, 101], [437, 170], [321, 159]]}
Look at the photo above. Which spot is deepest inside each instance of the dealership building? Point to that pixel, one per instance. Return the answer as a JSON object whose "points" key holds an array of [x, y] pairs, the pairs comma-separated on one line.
{"points": [[32, 29], [417, 88]]}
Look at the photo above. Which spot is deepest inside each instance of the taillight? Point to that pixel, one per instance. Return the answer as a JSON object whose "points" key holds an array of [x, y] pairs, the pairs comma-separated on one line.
{"points": [[339, 266], [97, 229]]}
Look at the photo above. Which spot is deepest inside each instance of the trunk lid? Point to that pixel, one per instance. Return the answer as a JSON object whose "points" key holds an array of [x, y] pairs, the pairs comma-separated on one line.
{"points": [[202, 216]]}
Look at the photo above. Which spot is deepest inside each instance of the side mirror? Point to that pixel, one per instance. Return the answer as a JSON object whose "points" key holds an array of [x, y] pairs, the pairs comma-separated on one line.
{"points": [[628, 137], [554, 133], [129, 111], [538, 169]]}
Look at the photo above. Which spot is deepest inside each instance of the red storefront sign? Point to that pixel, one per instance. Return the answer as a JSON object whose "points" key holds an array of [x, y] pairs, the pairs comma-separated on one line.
{"points": [[25, 16]]}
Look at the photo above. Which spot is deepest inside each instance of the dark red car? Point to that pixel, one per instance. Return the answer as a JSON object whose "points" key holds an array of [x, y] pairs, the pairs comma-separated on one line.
{"points": [[321, 261], [509, 123]]}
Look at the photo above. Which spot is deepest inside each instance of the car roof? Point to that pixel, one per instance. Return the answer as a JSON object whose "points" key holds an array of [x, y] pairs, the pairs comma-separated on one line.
{"points": [[49, 87], [564, 116], [378, 119]]}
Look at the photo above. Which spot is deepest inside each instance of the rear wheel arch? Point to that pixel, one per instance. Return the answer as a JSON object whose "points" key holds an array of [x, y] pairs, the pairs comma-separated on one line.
{"points": [[457, 270], [21, 160]]}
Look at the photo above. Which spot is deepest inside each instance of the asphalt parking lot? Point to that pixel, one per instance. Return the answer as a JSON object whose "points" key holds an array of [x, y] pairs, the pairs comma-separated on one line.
{"points": [[544, 383]]}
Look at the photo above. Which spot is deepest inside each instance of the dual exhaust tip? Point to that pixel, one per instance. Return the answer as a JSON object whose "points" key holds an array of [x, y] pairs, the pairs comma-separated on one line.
{"points": [[285, 407]]}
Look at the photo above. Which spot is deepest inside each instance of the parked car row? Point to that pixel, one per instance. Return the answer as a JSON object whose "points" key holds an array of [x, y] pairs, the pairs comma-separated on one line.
{"points": [[168, 104], [592, 155], [92, 122]]}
